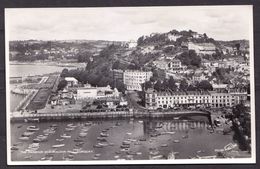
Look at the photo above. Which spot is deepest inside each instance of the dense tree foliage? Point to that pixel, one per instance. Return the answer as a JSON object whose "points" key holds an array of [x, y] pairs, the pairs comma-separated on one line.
{"points": [[62, 84], [204, 85], [190, 58], [166, 84], [184, 85]]}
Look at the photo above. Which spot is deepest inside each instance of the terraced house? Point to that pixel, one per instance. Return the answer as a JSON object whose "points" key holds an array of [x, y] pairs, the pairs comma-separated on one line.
{"points": [[170, 99]]}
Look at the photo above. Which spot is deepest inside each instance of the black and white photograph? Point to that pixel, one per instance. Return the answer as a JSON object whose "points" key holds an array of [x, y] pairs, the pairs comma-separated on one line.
{"points": [[130, 85]]}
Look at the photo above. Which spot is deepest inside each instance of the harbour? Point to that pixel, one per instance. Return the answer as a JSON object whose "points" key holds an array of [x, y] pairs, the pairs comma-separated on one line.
{"points": [[116, 139]]}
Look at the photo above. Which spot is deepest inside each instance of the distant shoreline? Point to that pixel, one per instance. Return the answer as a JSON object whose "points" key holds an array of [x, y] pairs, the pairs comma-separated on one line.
{"points": [[66, 64]]}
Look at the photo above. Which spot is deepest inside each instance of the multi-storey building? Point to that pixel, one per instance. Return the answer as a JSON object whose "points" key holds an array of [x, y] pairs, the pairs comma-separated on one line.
{"points": [[133, 79], [202, 48], [118, 75], [169, 99], [90, 92], [172, 65]]}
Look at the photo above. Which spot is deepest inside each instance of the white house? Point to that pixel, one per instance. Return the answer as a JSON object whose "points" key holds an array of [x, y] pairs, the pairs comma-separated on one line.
{"points": [[133, 79], [71, 81]]}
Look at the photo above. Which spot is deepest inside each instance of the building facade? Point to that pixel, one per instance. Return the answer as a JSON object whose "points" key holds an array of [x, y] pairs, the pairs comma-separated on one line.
{"points": [[71, 81], [133, 79], [202, 48], [169, 99], [89, 92]]}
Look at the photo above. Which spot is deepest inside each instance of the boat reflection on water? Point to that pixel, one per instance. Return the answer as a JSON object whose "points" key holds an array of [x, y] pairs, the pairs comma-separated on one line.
{"points": [[117, 139]]}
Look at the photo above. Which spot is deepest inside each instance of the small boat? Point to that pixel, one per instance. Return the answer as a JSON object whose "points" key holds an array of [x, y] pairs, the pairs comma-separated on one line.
{"points": [[164, 145], [176, 141], [32, 128], [97, 155], [125, 149], [78, 140], [139, 153], [65, 136], [36, 140], [88, 124], [28, 133], [95, 158], [141, 121], [17, 144], [42, 137], [155, 152], [125, 146], [104, 134], [71, 125], [32, 120], [14, 148], [129, 133], [126, 143], [116, 156], [192, 127], [34, 146], [83, 134], [132, 140], [59, 139], [19, 126], [58, 145], [98, 146], [101, 139], [74, 151], [157, 157], [46, 158], [230, 146], [103, 144], [69, 129], [49, 131], [28, 157], [24, 138], [79, 144]]}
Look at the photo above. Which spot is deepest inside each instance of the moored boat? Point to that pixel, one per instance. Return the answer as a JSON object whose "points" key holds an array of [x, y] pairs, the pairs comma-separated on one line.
{"points": [[32, 128], [104, 134], [28, 133], [230, 146], [176, 141], [65, 136], [23, 138], [58, 145]]}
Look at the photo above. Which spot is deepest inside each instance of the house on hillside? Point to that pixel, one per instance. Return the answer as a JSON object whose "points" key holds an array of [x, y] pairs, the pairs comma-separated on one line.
{"points": [[202, 48]]}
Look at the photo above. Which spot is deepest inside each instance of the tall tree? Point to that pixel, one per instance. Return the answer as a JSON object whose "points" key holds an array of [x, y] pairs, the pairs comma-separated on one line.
{"points": [[172, 84], [204, 85], [184, 85], [158, 86]]}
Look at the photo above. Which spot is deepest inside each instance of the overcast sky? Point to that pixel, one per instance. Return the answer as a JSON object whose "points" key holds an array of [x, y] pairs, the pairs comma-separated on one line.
{"points": [[218, 22]]}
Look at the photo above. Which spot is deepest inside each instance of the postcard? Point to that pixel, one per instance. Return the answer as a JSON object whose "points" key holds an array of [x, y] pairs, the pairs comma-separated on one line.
{"points": [[130, 85]]}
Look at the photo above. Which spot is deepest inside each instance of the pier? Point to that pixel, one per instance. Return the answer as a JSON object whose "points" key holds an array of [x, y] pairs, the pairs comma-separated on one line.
{"points": [[25, 116]]}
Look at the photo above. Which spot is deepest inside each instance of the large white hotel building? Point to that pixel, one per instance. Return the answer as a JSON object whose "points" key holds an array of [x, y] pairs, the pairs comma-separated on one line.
{"points": [[169, 99], [133, 79]]}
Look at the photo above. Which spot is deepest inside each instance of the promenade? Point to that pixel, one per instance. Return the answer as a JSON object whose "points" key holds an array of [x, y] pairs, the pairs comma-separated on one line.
{"points": [[25, 116]]}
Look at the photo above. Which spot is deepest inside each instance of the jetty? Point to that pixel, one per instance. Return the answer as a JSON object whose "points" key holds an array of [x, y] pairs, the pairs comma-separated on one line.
{"points": [[25, 116]]}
